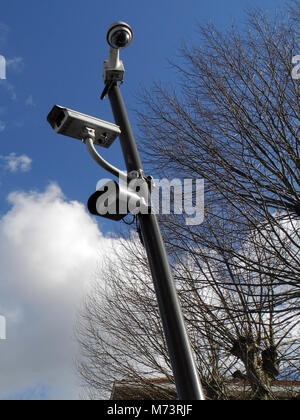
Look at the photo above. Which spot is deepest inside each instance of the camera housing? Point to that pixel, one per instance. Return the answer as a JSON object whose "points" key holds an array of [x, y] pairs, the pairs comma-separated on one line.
{"points": [[114, 201], [72, 124], [119, 35]]}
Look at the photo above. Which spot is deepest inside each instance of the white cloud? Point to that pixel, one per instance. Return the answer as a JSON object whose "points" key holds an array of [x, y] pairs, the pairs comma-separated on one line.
{"points": [[50, 249], [16, 64], [9, 88], [2, 126], [30, 101], [14, 163]]}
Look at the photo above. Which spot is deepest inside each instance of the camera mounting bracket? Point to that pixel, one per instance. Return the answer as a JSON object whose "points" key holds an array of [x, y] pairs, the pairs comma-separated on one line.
{"points": [[113, 69]]}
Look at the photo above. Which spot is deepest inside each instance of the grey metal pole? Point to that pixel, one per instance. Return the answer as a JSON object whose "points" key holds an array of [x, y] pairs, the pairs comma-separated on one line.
{"points": [[183, 364]]}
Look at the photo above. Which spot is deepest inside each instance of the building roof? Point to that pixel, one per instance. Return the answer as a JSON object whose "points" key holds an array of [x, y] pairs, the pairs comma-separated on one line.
{"points": [[163, 389]]}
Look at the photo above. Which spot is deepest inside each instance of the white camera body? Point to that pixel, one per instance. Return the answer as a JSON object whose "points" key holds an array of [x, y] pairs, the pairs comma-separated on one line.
{"points": [[114, 201], [119, 36], [73, 124], [113, 69]]}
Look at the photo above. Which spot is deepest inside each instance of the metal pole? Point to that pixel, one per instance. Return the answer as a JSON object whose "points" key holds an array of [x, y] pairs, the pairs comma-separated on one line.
{"points": [[183, 364]]}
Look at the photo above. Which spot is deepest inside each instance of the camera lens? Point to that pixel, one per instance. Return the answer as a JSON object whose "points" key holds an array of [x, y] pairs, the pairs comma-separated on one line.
{"points": [[119, 35], [120, 39]]}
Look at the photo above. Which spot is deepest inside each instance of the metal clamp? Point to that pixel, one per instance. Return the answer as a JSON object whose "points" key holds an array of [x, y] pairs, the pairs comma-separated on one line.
{"points": [[88, 138]]}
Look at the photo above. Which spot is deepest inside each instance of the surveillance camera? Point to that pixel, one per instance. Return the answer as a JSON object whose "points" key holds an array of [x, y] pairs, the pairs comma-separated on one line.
{"points": [[119, 35], [105, 202], [72, 124], [114, 201]]}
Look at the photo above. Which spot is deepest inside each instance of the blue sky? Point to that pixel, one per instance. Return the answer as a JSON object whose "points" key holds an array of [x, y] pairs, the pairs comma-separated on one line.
{"points": [[54, 52], [60, 46]]}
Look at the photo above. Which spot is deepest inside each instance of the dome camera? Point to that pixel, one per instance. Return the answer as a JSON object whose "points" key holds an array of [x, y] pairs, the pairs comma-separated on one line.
{"points": [[119, 35]]}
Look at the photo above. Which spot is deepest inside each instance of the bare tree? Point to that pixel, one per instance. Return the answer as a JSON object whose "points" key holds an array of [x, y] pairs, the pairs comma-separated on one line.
{"points": [[231, 328], [121, 336], [234, 121], [119, 328]]}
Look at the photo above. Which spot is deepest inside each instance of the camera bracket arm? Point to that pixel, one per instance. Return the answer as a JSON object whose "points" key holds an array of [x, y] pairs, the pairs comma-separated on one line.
{"points": [[88, 138], [113, 69]]}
